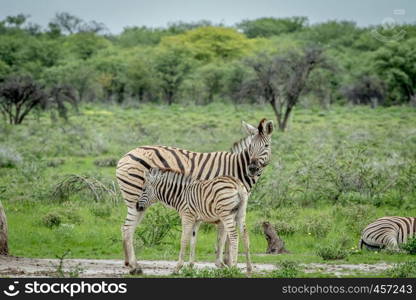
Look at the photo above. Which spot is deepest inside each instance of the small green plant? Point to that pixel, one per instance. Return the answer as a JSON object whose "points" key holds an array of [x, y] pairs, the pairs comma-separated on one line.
{"points": [[9, 158], [52, 219], [101, 210], [190, 272], [331, 252], [73, 272], [402, 270], [158, 223], [96, 189], [317, 226], [285, 269], [106, 162], [410, 246]]}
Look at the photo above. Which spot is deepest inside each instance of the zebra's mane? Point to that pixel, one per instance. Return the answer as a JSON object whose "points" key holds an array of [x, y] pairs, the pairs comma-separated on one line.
{"points": [[241, 144]]}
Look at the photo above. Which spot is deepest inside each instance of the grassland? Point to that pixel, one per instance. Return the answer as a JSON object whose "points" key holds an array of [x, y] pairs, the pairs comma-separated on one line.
{"points": [[332, 173]]}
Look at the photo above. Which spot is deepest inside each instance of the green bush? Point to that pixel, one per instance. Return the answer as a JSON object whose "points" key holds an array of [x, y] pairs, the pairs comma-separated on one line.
{"points": [[157, 224], [410, 246], [52, 219], [232, 272], [331, 252], [9, 158], [106, 162], [285, 269], [318, 226], [402, 270], [101, 210]]}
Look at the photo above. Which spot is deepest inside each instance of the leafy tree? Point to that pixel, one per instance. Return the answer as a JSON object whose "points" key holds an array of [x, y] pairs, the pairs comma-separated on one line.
{"points": [[133, 36], [70, 24], [18, 96], [366, 90], [267, 27], [207, 44], [396, 65], [281, 79], [85, 44], [140, 76], [171, 64]]}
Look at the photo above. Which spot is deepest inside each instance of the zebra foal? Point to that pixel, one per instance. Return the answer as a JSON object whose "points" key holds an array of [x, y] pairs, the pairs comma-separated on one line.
{"points": [[388, 232], [221, 200]]}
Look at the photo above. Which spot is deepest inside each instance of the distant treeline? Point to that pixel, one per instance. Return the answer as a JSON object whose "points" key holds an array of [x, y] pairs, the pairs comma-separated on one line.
{"points": [[274, 60]]}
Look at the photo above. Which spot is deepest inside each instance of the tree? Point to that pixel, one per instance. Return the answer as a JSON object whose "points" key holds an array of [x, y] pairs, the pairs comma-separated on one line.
{"points": [[171, 64], [366, 90], [280, 79], [267, 27], [18, 96], [4, 248], [395, 64], [70, 24], [207, 44]]}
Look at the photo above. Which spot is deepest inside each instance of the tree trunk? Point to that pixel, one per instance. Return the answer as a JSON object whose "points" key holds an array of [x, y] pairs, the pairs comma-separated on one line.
{"points": [[4, 249], [275, 244]]}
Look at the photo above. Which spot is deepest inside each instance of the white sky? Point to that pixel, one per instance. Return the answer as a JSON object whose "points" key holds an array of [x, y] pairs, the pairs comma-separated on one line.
{"points": [[155, 13]]}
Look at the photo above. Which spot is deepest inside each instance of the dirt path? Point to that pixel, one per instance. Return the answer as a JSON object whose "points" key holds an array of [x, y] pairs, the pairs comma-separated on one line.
{"points": [[30, 267]]}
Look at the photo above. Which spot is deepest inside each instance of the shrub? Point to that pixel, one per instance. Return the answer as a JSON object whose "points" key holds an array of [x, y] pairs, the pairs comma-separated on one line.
{"points": [[190, 272], [158, 223], [410, 246], [51, 219], [402, 270], [106, 162], [101, 210], [9, 158], [318, 226], [55, 162], [331, 252], [73, 184], [286, 269]]}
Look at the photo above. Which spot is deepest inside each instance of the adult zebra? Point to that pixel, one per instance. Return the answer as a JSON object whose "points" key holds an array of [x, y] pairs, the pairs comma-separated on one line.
{"points": [[246, 166], [388, 232], [221, 200]]}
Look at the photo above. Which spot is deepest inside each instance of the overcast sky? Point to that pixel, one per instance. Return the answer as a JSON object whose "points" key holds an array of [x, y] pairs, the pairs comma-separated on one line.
{"points": [[155, 13]]}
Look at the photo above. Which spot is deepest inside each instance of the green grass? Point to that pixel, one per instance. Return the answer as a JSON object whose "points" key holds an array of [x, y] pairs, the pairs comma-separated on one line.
{"points": [[332, 173]]}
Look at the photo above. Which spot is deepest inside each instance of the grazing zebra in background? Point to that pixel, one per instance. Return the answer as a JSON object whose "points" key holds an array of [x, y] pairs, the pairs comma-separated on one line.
{"points": [[222, 200], [388, 232], [246, 166]]}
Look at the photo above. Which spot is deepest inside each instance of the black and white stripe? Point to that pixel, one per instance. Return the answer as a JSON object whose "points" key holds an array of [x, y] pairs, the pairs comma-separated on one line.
{"points": [[246, 166], [221, 200], [388, 232]]}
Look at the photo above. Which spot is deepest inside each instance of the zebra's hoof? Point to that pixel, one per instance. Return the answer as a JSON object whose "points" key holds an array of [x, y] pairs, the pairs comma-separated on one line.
{"points": [[136, 271]]}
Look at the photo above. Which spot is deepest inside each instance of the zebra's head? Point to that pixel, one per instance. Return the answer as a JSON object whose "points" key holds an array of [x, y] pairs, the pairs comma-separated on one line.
{"points": [[148, 195], [259, 149]]}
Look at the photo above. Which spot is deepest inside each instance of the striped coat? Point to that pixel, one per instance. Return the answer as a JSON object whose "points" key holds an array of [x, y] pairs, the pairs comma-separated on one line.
{"points": [[246, 166], [222, 200], [388, 232]]}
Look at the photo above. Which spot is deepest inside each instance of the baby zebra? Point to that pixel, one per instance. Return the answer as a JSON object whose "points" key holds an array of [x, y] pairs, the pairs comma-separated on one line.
{"points": [[221, 200], [388, 232]]}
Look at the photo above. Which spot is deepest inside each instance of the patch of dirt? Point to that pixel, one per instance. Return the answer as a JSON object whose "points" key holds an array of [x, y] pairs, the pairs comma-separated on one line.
{"points": [[11, 266]]}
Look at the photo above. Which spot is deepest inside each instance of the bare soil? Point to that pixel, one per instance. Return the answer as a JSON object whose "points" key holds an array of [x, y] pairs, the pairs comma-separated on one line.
{"points": [[11, 266]]}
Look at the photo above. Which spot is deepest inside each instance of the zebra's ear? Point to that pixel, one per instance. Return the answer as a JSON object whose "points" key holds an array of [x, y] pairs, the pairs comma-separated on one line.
{"points": [[266, 127], [249, 129]]}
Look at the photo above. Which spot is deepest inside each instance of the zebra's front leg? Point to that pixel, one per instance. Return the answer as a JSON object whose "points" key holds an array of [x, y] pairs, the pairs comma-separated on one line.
{"points": [[193, 243], [133, 218], [187, 226]]}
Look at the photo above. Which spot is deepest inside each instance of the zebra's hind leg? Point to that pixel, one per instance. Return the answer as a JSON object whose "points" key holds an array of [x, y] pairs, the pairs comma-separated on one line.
{"points": [[133, 218], [221, 238], [193, 243], [229, 225], [187, 227]]}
